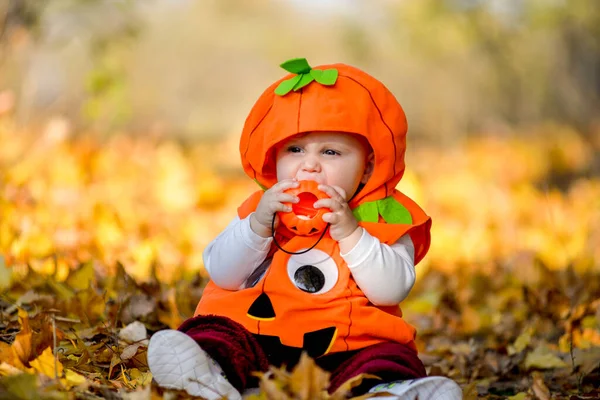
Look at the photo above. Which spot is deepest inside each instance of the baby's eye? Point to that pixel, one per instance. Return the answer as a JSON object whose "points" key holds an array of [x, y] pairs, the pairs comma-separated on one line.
{"points": [[294, 149], [331, 152]]}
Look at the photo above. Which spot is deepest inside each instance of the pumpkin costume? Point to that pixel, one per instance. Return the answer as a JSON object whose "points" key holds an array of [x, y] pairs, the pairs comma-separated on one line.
{"points": [[333, 319]]}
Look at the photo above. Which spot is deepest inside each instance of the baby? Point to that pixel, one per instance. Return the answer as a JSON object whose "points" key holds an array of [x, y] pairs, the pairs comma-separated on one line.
{"points": [[333, 293]]}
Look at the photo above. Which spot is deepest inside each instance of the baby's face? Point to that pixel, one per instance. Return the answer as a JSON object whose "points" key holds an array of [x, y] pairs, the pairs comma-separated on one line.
{"points": [[331, 158]]}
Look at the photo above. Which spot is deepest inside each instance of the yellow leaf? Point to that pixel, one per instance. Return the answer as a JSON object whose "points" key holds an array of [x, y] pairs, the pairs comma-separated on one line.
{"points": [[255, 396], [519, 396], [5, 274], [423, 304], [82, 277], [115, 360], [470, 391], [345, 389], [521, 343], [543, 358], [39, 245], [211, 192], [308, 381], [72, 378], [273, 389], [143, 256], [172, 316], [139, 378], [47, 365]]}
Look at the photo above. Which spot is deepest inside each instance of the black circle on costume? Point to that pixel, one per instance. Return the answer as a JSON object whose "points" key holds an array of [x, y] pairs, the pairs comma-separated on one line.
{"points": [[309, 278]]}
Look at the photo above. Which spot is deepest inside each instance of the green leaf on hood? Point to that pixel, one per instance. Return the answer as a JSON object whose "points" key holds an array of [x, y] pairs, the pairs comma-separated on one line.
{"points": [[286, 86], [305, 75], [366, 212], [390, 209], [393, 212], [305, 79], [325, 77], [296, 66]]}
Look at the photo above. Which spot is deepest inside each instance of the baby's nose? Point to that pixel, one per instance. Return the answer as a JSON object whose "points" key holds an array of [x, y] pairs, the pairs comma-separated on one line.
{"points": [[311, 164]]}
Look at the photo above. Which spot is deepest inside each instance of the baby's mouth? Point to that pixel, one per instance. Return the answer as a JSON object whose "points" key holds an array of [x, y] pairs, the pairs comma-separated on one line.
{"points": [[309, 177]]}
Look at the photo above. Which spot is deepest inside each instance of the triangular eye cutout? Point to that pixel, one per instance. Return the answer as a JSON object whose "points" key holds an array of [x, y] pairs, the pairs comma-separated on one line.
{"points": [[262, 309]]}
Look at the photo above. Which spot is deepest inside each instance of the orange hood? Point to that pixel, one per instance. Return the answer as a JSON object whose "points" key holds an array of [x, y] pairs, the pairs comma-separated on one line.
{"points": [[357, 103]]}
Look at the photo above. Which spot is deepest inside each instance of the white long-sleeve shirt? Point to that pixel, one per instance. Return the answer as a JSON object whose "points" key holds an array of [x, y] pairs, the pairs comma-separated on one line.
{"points": [[385, 273]]}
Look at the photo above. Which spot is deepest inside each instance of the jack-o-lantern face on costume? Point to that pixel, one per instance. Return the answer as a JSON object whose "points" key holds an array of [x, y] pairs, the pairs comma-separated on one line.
{"points": [[308, 301], [292, 290]]}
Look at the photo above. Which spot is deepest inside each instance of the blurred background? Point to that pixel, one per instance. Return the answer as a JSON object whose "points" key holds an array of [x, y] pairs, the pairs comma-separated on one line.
{"points": [[120, 121], [192, 69], [119, 130]]}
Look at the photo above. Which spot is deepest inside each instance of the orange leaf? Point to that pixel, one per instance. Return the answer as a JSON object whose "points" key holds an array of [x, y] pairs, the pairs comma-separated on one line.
{"points": [[5, 351], [22, 347]]}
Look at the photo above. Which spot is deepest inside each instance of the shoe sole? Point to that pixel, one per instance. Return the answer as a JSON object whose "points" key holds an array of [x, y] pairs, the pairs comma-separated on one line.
{"points": [[178, 362], [432, 387]]}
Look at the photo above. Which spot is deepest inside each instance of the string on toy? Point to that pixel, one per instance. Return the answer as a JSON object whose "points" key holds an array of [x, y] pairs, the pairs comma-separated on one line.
{"points": [[291, 252], [318, 240]]}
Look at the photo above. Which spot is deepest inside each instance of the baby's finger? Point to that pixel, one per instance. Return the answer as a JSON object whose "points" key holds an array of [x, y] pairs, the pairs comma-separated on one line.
{"points": [[329, 190], [332, 204], [286, 198], [340, 191], [285, 185], [278, 207], [331, 218]]}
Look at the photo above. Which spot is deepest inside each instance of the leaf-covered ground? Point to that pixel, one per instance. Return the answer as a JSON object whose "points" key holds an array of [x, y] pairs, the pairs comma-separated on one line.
{"points": [[101, 244]]}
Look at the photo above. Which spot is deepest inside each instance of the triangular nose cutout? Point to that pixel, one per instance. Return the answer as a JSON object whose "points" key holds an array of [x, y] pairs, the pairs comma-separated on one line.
{"points": [[262, 309]]}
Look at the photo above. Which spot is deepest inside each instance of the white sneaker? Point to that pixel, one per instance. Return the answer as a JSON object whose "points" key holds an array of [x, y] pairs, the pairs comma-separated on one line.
{"points": [[432, 387], [178, 362]]}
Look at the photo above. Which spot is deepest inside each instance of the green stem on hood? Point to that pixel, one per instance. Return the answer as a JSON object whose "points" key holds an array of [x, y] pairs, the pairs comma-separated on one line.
{"points": [[304, 75], [263, 187]]}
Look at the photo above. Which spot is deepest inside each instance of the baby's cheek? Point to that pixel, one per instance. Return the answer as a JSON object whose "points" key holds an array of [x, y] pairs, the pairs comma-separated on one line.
{"points": [[284, 173]]}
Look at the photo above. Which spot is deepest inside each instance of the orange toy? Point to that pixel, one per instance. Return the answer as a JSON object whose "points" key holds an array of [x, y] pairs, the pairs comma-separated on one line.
{"points": [[304, 219]]}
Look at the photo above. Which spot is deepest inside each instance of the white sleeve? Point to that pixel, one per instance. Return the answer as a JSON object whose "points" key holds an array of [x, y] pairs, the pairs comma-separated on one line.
{"points": [[384, 273], [232, 256]]}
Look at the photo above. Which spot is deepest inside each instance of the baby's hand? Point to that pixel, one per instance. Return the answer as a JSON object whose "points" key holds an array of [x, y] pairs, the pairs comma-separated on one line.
{"points": [[342, 221], [271, 203]]}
